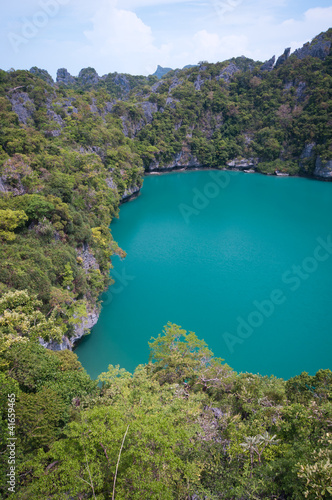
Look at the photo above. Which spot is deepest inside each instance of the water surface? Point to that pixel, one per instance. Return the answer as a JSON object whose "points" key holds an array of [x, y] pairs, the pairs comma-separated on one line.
{"points": [[208, 251]]}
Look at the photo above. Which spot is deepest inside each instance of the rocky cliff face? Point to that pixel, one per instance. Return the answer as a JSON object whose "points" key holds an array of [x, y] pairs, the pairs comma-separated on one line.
{"points": [[268, 65], [130, 193], [283, 58], [160, 71], [85, 323], [63, 76], [88, 76], [319, 47], [227, 73], [15, 173], [22, 105], [323, 169], [43, 74], [131, 126], [181, 160], [312, 164]]}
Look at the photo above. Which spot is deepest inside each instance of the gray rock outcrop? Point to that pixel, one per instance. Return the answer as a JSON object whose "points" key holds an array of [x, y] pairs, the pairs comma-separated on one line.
{"points": [[14, 173], [84, 325], [199, 82], [183, 159], [63, 76], [307, 158], [130, 192], [227, 73], [300, 91], [22, 105], [312, 164], [149, 109], [160, 71], [156, 85], [323, 169], [123, 82], [319, 47], [268, 65], [175, 83], [54, 346], [283, 58], [88, 76], [171, 102], [43, 74]]}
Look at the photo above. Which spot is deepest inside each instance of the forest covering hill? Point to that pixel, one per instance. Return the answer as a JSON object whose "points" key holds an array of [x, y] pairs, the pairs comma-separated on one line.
{"points": [[70, 152]]}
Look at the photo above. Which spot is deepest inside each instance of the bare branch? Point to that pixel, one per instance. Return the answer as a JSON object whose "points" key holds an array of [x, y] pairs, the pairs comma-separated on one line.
{"points": [[117, 465], [15, 88], [105, 451]]}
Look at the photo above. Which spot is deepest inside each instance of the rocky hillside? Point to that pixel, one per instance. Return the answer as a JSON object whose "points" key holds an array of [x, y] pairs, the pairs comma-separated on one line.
{"points": [[235, 112], [277, 115], [72, 150]]}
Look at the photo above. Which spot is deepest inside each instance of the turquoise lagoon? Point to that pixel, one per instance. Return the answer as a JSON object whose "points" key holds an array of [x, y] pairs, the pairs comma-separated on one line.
{"points": [[244, 261]]}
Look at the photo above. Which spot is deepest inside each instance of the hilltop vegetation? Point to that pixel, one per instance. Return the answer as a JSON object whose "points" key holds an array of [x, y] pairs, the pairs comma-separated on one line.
{"points": [[70, 153]]}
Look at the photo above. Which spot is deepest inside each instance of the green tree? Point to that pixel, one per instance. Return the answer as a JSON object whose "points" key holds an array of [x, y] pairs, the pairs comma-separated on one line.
{"points": [[20, 317], [9, 221], [318, 472], [178, 356]]}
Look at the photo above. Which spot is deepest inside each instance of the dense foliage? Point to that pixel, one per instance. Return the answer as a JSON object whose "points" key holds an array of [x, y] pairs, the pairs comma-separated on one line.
{"points": [[185, 426], [58, 196], [268, 116]]}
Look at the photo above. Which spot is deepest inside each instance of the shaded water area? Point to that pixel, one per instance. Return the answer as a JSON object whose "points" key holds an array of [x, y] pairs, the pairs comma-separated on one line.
{"points": [[244, 261]]}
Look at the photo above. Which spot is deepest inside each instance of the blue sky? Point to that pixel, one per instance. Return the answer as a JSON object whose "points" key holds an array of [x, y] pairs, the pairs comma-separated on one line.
{"points": [[133, 36]]}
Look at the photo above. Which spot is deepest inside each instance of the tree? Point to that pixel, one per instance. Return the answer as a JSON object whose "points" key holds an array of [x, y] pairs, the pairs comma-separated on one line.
{"points": [[67, 277], [178, 356], [39, 418], [20, 317], [155, 456], [9, 221], [318, 472], [256, 445]]}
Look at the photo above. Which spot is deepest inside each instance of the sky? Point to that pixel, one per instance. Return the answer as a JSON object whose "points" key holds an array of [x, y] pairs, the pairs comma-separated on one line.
{"points": [[134, 36]]}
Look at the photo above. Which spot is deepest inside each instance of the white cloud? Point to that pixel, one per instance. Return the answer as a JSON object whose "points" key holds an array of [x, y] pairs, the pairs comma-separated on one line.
{"points": [[212, 47], [117, 30], [132, 36], [136, 4], [291, 32], [122, 38], [120, 41], [319, 14]]}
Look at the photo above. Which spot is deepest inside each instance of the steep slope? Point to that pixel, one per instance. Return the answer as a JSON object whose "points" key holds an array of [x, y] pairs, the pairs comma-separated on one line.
{"points": [[279, 117], [65, 167]]}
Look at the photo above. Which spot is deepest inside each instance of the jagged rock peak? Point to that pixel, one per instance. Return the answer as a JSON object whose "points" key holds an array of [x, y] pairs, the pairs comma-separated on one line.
{"points": [[283, 58], [268, 65], [123, 81], [88, 76], [43, 74], [63, 76], [227, 73], [160, 71], [319, 47]]}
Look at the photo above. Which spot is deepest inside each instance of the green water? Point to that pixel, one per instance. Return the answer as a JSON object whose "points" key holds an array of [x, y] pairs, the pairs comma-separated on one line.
{"points": [[211, 251]]}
